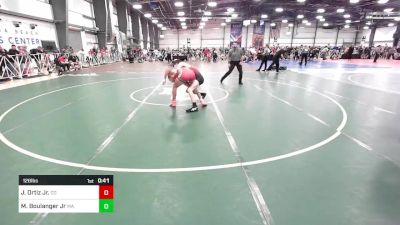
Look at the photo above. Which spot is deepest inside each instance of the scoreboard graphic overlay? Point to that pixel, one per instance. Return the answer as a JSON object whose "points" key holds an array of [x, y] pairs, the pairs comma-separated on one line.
{"points": [[66, 194]]}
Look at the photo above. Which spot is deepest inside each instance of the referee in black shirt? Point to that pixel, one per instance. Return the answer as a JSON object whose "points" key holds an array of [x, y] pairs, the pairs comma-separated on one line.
{"points": [[275, 59]]}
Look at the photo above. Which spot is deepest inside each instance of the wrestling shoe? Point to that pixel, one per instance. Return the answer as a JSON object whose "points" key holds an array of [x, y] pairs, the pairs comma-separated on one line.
{"points": [[193, 109]]}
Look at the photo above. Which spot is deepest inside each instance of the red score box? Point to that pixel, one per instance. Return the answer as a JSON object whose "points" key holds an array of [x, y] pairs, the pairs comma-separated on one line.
{"points": [[106, 192]]}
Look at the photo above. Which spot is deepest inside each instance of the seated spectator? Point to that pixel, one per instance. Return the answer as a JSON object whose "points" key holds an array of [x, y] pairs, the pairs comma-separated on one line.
{"points": [[63, 63], [74, 61], [73, 58]]}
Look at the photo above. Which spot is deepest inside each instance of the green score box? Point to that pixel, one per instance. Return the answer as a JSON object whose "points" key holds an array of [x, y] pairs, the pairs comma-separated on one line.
{"points": [[106, 205]]}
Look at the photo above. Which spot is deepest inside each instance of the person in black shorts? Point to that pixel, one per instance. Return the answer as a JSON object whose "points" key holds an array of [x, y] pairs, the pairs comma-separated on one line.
{"points": [[235, 58]]}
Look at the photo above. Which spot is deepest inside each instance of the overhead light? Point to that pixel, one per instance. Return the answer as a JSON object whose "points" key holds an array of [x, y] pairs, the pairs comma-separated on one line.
{"points": [[290, 24], [279, 9], [163, 28], [182, 19], [159, 25], [161, 35], [264, 16], [340, 10], [202, 23], [273, 24], [326, 24], [301, 0], [179, 4], [201, 27], [382, 1], [322, 19], [147, 15], [354, 1], [388, 10], [288, 33], [183, 24], [301, 16], [223, 24], [184, 28], [320, 10], [390, 24], [304, 21], [346, 26], [319, 17], [308, 24], [366, 27], [154, 21], [253, 21], [228, 20], [234, 15], [368, 23], [346, 16], [212, 4], [205, 19], [181, 13], [207, 13], [246, 22], [137, 6], [284, 21], [347, 21], [230, 10], [397, 19]]}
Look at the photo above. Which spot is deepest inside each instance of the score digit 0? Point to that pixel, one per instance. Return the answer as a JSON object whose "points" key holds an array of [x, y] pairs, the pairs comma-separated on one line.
{"points": [[106, 191]]}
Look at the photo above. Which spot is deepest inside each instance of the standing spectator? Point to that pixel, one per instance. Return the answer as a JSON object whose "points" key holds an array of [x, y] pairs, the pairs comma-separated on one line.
{"points": [[13, 51], [36, 54], [81, 55], [215, 55], [102, 55], [264, 58], [391, 52], [12, 57], [378, 51], [3, 55], [235, 57], [23, 61], [324, 52], [169, 56], [350, 52], [94, 55]]}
